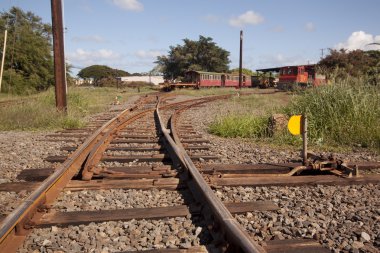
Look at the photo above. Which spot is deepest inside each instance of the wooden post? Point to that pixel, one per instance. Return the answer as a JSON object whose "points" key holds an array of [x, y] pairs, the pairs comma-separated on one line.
{"points": [[59, 56], [304, 139], [3, 60]]}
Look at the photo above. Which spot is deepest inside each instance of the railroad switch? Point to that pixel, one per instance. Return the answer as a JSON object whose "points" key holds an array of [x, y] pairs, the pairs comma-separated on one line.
{"points": [[329, 164]]}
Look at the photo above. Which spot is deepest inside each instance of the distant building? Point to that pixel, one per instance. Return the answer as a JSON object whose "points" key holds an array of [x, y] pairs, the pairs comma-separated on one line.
{"points": [[156, 80], [80, 81]]}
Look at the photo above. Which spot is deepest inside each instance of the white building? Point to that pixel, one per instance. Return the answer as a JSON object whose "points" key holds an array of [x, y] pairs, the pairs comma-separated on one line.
{"points": [[149, 79]]}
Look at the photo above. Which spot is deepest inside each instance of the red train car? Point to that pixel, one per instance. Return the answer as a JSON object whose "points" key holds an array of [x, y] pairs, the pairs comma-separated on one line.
{"points": [[297, 76], [304, 75], [213, 79]]}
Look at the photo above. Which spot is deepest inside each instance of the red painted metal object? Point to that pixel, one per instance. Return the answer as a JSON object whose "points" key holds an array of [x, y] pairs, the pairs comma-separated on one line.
{"points": [[299, 75]]}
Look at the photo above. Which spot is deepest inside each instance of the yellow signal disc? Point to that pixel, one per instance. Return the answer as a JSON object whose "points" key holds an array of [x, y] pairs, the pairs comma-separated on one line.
{"points": [[294, 124]]}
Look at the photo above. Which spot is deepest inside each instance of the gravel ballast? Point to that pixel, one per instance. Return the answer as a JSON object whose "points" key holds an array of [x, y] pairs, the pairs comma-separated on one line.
{"points": [[344, 219], [116, 236], [24, 150], [119, 199]]}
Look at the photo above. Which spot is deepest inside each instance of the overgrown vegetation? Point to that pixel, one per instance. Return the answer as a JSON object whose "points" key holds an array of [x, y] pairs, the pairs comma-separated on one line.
{"points": [[346, 113], [247, 116], [341, 64], [341, 114], [40, 113], [245, 126], [28, 61]]}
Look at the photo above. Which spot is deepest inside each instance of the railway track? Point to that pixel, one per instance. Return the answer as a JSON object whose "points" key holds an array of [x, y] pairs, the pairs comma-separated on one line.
{"points": [[147, 148]]}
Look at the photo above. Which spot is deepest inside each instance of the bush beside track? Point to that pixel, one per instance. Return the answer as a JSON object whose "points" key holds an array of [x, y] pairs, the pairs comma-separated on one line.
{"points": [[346, 113]]}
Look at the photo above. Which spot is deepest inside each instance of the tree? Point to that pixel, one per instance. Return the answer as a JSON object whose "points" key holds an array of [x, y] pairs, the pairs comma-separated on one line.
{"points": [[98, 72], [28, 61], [203, 55], [244, 71], [354, 63]]}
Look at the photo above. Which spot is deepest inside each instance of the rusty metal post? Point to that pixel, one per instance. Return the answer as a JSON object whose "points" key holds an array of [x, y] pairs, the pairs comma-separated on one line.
{"points": [[241, 60], [59, 56], [304, 139]]}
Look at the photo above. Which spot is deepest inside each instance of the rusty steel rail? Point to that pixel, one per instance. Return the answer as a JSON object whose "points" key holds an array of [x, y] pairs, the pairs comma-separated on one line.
{"points": [[13, 227], [16, 225], [234, 231]]}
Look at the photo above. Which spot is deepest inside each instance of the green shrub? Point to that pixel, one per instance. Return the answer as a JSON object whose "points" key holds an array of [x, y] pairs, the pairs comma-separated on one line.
{"points": [[345, 113], [245, 126]]}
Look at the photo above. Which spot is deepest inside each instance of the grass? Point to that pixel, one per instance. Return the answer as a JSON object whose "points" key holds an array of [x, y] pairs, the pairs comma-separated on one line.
{"points": [[344, 114], [247, 116], [245, 126], [40, 113]]}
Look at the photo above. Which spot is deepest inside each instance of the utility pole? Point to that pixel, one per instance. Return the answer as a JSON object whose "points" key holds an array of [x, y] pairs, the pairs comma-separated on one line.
{"points": [[2, 61], [59, 56], [241, 60], [322, 50]]}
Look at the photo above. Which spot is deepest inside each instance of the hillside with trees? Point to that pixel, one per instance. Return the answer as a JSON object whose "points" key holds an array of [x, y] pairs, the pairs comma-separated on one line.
{"points": [[28, 61], [98, 73]]}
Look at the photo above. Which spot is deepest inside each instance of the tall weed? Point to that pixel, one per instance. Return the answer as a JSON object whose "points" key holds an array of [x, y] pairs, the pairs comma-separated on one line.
{"points": [[40, 112], [344, 113]]}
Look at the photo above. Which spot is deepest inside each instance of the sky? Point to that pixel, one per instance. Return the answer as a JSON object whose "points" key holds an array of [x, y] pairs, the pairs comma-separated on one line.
{"points": [[130, 34]]}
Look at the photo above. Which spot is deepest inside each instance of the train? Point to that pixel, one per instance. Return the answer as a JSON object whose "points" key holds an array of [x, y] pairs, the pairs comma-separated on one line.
{"points": [[286, 78], [291, 77]]}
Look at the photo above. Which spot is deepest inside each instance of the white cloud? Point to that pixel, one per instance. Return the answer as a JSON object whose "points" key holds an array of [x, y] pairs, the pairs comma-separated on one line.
{"points": [[89, 38], [90, 57], [360, 40], [310, 27], [129, 5], [143, 54], [248, 18], [140, 61]]}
